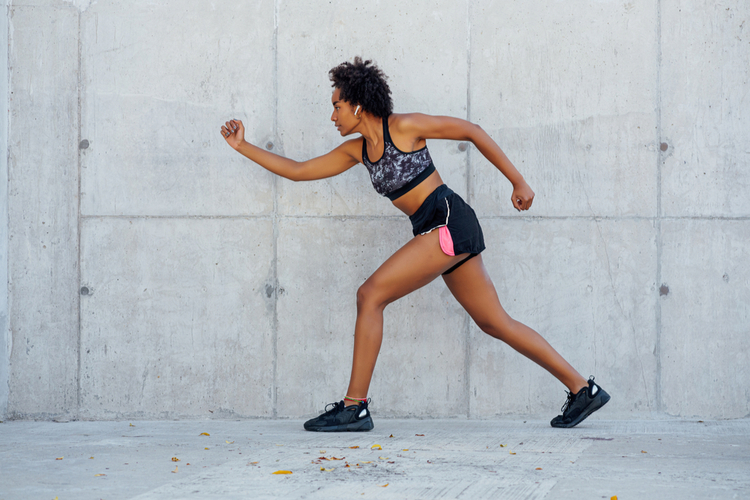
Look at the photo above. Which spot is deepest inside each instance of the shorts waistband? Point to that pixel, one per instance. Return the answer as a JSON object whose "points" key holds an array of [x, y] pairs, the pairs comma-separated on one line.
{"points": [[427, 207]]}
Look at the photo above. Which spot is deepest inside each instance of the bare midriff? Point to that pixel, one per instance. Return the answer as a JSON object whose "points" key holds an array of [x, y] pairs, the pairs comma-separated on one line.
{"points": [[411, 201]]}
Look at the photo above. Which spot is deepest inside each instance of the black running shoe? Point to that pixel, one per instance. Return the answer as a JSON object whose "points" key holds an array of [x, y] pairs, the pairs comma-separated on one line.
{"points": [[581, 405], [340, 418]]}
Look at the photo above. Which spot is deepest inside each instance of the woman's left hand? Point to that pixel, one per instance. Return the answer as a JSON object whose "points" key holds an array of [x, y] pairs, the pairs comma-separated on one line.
{"points": [[233, 132], [522, 196]]}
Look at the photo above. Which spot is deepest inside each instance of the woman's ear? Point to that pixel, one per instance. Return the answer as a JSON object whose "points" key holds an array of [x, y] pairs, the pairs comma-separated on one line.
{"points": [[356, 110]]}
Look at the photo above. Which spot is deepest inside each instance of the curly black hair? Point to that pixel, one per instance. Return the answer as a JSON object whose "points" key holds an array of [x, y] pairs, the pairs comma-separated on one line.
{"points": [[363, 83]]}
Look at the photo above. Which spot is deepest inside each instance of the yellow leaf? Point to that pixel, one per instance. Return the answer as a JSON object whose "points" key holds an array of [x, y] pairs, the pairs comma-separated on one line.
{"points": [[131, 425], [511, 452], [643, 451], [391, 435], [353, 447], [204, 434], [231, 442], [327, 470], [613, 497], [206, 448], [383, 458], [405, 449], [376, 447], [538, 468], [384, 485], [282, 472], [175, 470], [175, 459], [366, 462], [59, 458], [322, 451], [502, 446], [91, 458], [99, 475], [254, 463]]}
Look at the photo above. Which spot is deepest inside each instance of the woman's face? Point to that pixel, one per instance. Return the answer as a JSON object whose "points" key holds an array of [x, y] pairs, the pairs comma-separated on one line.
{"points": [[343, 114]]}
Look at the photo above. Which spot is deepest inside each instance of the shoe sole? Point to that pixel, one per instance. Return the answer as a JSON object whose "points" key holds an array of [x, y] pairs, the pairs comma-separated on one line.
{"points": [[363, 425], [599, 401]]}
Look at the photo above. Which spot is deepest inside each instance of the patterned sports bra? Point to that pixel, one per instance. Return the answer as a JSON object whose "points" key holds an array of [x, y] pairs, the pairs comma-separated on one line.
{"points": [[396, 173]]}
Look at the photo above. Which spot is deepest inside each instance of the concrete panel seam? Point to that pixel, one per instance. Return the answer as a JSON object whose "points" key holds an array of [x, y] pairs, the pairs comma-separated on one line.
{"points": [[79, 223], [659, 245], [467, 323], [401, 217], [274, 266]]}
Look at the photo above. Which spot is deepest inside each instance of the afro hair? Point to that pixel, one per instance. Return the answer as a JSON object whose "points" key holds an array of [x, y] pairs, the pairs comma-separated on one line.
{"points": [[361, 83]]}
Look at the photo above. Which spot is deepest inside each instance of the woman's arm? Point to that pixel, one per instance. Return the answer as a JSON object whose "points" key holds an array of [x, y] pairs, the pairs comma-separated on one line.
{"points": [[425, 127], [337, 161]]}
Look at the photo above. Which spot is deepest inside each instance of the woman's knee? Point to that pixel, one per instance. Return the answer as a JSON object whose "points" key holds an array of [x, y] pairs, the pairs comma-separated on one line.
{"points": [[370, 296], [497, 327]]}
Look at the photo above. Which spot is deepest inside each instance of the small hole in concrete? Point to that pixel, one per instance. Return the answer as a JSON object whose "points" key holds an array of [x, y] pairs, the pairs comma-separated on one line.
{"points": [[84, 291], [663, 290], [463, 146], [725, 278], [84, 144], [269, 145], [664, 146]]}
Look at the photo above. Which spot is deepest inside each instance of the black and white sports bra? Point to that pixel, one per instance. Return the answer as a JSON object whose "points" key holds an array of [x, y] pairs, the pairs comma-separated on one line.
{"points": [[396, 173]]}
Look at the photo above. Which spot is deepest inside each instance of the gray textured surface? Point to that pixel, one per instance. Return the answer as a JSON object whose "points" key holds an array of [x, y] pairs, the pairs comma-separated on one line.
{"points": [[43, 210], [4, 332], [212, 285], [420, 459]]}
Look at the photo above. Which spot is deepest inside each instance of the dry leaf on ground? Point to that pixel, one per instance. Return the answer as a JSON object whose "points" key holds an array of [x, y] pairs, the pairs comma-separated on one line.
{"points": [[282, 472], [376, 447], [204, 434]]}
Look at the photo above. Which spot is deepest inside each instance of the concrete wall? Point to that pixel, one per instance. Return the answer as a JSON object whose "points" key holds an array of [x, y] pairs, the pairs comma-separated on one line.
{"points": [[154, 272], [4, 333]]}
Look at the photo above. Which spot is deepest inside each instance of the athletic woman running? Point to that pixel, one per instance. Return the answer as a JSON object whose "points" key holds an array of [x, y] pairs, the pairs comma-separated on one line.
{"points": [[447, 237]]}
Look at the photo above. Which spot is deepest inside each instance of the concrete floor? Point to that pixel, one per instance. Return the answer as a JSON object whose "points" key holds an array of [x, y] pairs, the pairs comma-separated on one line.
{"points": [[420, 459]]}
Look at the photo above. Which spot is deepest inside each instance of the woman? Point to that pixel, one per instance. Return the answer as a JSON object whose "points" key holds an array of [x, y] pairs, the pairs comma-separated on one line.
{"points": [[447, 237]]}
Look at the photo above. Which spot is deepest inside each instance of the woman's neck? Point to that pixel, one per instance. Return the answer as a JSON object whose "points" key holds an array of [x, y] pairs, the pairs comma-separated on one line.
{"points": [[371, 128]]}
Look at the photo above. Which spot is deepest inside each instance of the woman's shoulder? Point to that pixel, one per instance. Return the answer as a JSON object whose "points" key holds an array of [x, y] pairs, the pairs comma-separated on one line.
{"points": [[406, 122]]}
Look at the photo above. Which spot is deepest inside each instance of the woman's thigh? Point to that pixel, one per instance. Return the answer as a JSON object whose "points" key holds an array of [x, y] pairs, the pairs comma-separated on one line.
{"points": [[412, 266], [472, 287]]}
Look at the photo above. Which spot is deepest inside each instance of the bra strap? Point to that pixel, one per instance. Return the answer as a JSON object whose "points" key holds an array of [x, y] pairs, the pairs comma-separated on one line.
{"points": [[386, 133]]}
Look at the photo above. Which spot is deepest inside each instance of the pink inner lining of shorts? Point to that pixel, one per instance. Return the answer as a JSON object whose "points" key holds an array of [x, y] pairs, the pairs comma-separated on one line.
{"points": [[446, 242]]}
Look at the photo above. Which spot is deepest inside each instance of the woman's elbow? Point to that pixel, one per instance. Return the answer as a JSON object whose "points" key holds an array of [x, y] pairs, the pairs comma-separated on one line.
{"points": [[475, 133]]}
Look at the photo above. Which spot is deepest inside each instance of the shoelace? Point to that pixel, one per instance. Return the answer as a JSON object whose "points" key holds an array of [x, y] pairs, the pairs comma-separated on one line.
{"points": [[334, 408], [568, 402]]}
